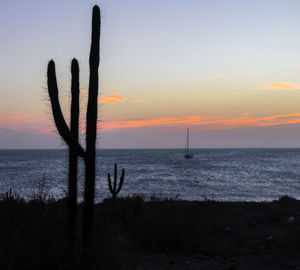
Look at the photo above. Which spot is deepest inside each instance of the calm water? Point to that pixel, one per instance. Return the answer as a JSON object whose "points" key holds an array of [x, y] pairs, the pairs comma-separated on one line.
{"points": [[221, 174]]}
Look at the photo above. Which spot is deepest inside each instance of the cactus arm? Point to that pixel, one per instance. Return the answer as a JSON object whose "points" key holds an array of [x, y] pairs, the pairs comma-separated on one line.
{"points": [[115, 177], [109, 184], [74, 126], [59, 120], [121, 181], [73, 158]]}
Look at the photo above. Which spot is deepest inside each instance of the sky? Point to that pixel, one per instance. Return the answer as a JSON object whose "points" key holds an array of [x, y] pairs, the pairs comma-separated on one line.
{"points": [[228, 70]]}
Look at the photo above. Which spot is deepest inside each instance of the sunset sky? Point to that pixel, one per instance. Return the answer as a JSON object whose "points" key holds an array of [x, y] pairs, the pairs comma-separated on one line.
{"points": [[228, 70]]}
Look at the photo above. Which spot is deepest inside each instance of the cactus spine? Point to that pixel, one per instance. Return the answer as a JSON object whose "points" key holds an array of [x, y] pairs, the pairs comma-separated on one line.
{"points": [[113, 188], [70, 136]]}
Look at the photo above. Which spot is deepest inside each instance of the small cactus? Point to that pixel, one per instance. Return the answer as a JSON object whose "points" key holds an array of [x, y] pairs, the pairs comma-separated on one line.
{"points": [[113, 188]]}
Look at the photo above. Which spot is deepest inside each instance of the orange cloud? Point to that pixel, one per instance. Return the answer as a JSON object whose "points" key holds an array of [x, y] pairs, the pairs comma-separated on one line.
{"points": [[212, 77], [136, 100], [205, 122], [115, 97], [279, 86], [83, 91], [41, 125]]}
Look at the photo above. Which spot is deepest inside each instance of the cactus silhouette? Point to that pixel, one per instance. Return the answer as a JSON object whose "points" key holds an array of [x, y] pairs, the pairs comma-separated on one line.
{"points": [[91, 124], [113, 188], [73, 158], [70, 136]]}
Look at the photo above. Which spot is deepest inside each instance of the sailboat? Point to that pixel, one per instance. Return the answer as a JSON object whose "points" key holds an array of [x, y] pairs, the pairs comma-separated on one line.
{"points": [[188, 154]]}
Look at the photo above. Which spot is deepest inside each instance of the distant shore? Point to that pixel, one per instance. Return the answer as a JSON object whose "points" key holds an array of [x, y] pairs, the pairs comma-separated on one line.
{"points": [[159, 234]]}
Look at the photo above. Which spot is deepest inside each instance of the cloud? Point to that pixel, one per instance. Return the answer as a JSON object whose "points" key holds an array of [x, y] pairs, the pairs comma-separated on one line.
{"points": [[136, 100], [115, 97], [212, 77], [24, 122], [203, 122], [83, 91], [250, 73], [279, 86]]}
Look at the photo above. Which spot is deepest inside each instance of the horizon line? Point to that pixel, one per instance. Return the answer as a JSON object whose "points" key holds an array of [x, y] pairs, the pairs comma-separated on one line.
{"points": [[157, 148]]}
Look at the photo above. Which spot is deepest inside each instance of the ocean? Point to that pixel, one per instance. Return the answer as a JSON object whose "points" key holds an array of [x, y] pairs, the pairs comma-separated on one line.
{"points": [[217, 174]]}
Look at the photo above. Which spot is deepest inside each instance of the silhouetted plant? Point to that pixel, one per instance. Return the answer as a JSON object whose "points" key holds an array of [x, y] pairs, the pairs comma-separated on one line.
{"points": [[73, 158], [8, 194], [41, 192], [113, 187], [71, 136]]}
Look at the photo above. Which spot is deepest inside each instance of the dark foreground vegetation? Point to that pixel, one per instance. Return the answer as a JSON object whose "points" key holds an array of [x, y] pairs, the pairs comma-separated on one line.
{"points": [[160, 234]]}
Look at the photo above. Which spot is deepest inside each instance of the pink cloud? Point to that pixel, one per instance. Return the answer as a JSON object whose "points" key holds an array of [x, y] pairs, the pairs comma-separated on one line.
{"points": [[136, 100], [24, 122], [40, 125]]}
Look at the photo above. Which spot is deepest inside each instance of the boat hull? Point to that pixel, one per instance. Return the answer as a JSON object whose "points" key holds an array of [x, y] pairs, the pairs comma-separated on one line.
{"points": [[188, 156]]}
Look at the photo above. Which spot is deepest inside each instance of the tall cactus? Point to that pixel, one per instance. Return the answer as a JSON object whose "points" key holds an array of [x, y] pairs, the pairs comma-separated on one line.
{"points": [[91, 124], [113, 188], [70, 136]]}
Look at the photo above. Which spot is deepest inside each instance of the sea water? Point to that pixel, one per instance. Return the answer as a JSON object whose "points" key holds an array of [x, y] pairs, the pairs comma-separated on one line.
{"points": [[218, 174]]}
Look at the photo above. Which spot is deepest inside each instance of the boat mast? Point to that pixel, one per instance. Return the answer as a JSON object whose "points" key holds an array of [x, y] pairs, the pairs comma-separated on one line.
{"points": [[188, 141]]}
